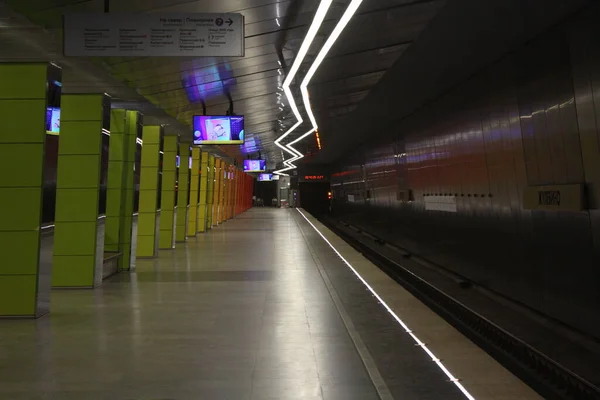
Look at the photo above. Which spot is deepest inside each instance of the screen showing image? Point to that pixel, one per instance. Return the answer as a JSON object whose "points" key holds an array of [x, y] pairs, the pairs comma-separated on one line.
{"points": [[53, 120], [254, 165], [218, 129], [265, 177]]}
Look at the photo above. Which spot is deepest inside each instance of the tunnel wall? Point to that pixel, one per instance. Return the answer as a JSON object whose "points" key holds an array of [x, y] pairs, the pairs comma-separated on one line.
{"points": [[530, 118]]}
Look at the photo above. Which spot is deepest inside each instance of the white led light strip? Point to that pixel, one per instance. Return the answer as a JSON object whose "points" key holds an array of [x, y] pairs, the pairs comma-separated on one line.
{"points": [[310, 37], [419, 343], [335, 34]]}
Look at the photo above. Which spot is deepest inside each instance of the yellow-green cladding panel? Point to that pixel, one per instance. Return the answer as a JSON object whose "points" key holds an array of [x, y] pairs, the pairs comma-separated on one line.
{"points": [[210, 198], [194, 190], [183, 190], [23, 92], [203, 206], [120, 192], [75, 261], [168, 201], [147, 213]]}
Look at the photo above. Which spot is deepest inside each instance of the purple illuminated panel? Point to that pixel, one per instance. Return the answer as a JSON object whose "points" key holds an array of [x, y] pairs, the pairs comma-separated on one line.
{"points": [[205, 82]]}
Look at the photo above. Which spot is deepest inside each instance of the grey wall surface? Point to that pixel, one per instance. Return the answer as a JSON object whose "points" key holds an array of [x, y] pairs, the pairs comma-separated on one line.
{"points": [[530, 118]]}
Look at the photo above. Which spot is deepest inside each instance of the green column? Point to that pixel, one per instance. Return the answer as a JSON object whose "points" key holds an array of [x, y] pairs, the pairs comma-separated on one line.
{"points": [[203, 207], [24, 283], [120, 192], [115, 181], [183, 191], [78, 249], [133, 122], [148, 200], [210, 191], [168, 194], [194, 190]]}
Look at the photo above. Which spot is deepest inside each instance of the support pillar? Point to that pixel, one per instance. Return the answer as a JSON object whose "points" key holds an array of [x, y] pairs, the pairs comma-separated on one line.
{"points": [[226, 181], [120, 194], [210, 192], [237, 193], [78, 253], [203, 206], [218, 192], [183, 193], [148, 201], [133, 121], [168, 194], [223, 190], [192, 226], [24, 281]]}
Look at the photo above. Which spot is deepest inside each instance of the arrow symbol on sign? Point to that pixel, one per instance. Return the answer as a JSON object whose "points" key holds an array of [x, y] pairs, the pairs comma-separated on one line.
{"points": [[230, 21]]}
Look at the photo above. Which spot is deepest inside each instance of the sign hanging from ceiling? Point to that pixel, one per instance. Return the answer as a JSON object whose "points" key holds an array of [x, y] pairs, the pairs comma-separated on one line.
{"points": [[153, 35]]}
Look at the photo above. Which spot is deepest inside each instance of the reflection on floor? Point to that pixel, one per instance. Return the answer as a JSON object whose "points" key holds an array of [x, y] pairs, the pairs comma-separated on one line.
{"points": [[242, 312]]}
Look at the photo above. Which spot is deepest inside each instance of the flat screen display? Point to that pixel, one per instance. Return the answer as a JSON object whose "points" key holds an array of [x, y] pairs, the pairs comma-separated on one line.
{"points": [[265, 177], [255, 165], [218, 129], [53, 120]]}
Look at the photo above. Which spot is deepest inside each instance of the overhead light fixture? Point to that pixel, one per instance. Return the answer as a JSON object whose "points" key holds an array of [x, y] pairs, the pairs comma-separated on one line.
{"points": [[310, 37], [335, 34]]}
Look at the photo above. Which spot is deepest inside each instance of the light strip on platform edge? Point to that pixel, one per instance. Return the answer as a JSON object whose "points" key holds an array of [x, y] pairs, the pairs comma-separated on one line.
{"points": [[310, 37], [406, 328]]}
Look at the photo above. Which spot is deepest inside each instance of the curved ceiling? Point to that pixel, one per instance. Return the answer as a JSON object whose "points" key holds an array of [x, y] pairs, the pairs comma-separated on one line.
{"points": [[375, 38]]}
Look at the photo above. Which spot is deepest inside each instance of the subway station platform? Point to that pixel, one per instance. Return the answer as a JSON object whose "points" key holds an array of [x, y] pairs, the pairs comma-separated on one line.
{"points": [[269, 305]]}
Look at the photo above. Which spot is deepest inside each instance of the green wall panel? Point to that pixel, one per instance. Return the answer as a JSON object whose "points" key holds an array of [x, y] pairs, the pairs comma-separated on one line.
{"points": [[21, 122], [183, 193], [76, 205], [169, 177], [81, 238], [78, 171], [20, 208], [24, 81], [119, 204], [194, 190], [210, 192], [132, 122], [71, 274], [18, 295], [203, 205], [146, 229], [75, 260], [15, 261], [23, 91], [73, 142], [11, 159]]}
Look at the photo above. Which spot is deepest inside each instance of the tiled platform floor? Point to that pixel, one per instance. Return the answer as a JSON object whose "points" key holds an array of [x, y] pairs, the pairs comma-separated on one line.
{"points": [[242, 312]]}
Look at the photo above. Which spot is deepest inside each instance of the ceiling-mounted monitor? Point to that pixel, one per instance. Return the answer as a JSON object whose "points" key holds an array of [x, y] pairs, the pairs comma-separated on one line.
{"points": [[255, 165], [212, 129], [265, 177]]}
